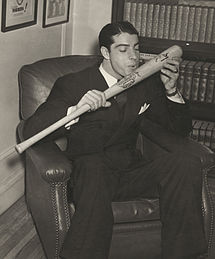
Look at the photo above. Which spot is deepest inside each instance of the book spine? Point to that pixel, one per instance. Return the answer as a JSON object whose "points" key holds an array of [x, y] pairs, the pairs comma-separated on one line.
{"points": [[190, 23], [196, 130], [179, 22], [180, 81], [209, 26], [173, 17], [133, 13], [155, 20], [197, 20], [138, 16], [203, 82], [196, 80], [188, 79], [144, 20], [149, 20], [213, 31], [202, 132], [167, 21], [212, 146], [184, 24], [192, 132], [161, 21], [208, 135], [210, 84], [127, 11], [203, 24]]}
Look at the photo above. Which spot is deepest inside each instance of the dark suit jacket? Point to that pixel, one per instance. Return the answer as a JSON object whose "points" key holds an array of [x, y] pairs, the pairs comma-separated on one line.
{"points": [[107, 128]]}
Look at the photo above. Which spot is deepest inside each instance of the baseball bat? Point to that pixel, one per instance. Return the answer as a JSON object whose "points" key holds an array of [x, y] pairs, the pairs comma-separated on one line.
{"points": [[150, 67]]}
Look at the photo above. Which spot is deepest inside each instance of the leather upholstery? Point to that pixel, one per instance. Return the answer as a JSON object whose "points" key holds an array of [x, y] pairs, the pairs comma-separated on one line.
{"points": [[37, 79], [137, 225]]}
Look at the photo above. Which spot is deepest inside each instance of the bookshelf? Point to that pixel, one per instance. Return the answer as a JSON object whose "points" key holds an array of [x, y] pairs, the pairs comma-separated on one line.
{"points": [[191, 25], [193, 50]]}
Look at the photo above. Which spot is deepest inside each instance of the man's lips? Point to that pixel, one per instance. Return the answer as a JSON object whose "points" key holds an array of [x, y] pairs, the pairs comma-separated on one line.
{"points": [[133, 66]]}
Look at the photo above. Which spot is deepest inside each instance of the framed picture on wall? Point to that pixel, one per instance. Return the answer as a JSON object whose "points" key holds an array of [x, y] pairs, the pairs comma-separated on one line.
{"points": [[55, 12], [18, 14]]}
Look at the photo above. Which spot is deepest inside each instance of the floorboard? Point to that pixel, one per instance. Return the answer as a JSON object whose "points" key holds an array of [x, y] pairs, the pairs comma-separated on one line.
{"points": [[18, 238]]}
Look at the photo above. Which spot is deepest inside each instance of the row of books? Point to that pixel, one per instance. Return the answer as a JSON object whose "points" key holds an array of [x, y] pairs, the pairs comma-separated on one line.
{"points": [[196, 81], [204, 133], [157, 19]]}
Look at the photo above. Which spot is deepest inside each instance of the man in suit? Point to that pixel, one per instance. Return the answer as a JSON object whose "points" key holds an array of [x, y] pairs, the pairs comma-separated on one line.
{"points": [[102, 147]]}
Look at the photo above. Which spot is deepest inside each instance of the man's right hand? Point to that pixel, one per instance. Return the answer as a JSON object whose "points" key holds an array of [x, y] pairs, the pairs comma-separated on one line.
{"points": [[95, 99]]}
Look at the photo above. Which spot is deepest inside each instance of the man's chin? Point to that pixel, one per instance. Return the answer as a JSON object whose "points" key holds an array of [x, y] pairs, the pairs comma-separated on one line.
{"points": [[130, 71]]}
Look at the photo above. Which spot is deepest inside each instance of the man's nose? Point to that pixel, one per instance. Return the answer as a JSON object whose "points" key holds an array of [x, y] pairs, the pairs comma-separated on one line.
{"points": [[133, 54]]}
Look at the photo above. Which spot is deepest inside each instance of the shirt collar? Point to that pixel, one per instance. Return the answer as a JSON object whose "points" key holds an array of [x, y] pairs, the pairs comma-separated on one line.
{"points": [[110, 80]]}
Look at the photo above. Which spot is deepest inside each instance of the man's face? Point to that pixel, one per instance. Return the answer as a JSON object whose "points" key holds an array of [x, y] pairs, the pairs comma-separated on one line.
{"points": [[124, 54]]}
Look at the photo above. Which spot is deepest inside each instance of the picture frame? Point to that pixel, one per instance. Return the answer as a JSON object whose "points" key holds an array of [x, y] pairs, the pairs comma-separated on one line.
{"points": [[18, 14], [55, 12]]}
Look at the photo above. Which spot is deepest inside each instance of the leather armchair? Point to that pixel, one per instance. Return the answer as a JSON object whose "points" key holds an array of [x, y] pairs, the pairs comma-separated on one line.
{"points": [[137, 224]]}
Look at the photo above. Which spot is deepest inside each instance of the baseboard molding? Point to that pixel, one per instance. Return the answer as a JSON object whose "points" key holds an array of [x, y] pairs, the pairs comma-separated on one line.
{"points": [[11, 178]]}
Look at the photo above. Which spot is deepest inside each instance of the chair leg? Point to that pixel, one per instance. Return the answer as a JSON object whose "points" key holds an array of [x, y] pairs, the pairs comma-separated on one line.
{"points": [[60, 213]]}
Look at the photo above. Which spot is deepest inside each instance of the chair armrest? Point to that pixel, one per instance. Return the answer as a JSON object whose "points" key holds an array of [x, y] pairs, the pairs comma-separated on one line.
{"points": [[171, 142], [48, 159]]}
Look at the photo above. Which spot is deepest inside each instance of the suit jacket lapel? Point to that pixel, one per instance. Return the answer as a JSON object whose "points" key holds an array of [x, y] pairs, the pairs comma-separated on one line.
{"points": [[97, 81]]}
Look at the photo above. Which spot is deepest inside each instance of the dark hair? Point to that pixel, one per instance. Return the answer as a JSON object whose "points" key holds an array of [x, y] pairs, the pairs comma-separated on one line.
{"points": [[108, 31]]}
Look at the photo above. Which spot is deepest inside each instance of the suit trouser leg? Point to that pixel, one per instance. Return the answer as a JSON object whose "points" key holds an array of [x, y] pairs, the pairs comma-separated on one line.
{"points": [[90, 232], [177, 179]]}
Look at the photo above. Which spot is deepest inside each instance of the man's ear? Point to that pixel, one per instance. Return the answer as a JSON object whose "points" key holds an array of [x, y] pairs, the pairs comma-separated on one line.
{"points": [[105, 52]]}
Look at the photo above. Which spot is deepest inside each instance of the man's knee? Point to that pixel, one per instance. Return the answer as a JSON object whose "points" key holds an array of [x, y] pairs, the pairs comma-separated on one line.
{"points": [[89, 163], [187, 165]]}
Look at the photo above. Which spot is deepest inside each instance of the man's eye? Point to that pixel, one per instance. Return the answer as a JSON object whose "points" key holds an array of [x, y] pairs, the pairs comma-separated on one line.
{"points": [[122, 50]]}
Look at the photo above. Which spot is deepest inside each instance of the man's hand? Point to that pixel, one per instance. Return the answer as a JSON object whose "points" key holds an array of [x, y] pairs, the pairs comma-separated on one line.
{"points": [[95, 99], [170, 74]]}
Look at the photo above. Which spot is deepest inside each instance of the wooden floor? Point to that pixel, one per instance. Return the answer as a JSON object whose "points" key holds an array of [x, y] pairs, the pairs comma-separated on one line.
{"points": [[18, 238]]}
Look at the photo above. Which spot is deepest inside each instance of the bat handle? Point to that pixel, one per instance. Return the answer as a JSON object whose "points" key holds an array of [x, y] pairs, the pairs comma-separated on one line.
{"points": [[21, 147]]}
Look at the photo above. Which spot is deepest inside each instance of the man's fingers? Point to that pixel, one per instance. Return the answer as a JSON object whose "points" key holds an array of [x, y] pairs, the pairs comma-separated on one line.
{"points": [[92, 100], [95, 99], [101, 96], [107, 104], [67, 126], [172, 67]]}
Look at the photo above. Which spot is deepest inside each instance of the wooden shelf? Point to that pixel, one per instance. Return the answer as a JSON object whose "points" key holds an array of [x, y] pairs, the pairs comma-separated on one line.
{"points": [[203, 111]]}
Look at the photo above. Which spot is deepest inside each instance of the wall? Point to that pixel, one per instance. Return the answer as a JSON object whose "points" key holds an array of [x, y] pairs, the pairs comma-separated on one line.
{"points": [[17, 48], [89, 16]]}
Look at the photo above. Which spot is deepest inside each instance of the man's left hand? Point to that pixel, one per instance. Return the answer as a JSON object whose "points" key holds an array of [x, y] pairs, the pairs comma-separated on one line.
{"points": [[170, 74]]}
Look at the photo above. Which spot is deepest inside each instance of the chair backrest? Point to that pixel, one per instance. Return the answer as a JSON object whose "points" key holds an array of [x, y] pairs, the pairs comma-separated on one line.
{"points": [[37, 79]]}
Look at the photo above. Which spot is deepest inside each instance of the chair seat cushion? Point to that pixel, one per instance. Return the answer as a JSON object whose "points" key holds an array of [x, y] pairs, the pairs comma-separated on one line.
{"points": [[133, 211]]}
